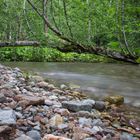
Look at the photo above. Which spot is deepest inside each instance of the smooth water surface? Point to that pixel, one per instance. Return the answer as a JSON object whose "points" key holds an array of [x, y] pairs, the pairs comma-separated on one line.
{"points": [[95, 79]]}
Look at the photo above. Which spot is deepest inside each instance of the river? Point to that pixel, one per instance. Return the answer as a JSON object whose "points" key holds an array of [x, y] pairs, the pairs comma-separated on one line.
{"points": [[95, 79]]}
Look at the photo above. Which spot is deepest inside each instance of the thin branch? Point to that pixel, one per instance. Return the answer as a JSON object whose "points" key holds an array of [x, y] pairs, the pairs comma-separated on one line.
{"points": [[53, 18], [123, 30], [27, 22], [66, 17]]}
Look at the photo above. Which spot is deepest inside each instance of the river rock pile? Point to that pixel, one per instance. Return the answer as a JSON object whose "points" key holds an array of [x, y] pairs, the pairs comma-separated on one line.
{"points": [[32, 109]]}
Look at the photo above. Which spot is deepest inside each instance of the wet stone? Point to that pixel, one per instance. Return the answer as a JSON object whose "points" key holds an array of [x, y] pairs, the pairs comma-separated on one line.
{"points": [[76, 106], [118, 100], [7, 117]]}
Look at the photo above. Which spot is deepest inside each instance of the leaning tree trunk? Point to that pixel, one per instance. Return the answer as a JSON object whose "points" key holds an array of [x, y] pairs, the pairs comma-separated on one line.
{"points": [[77, 47], [99, 51]]}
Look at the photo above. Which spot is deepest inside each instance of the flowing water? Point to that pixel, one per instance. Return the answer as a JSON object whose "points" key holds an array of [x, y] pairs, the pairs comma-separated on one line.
{"points": [[95, 79]]}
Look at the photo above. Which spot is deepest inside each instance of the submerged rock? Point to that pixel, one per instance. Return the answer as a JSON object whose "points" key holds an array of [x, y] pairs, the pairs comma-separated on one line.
{"points": [[76, 106], [7, 117], [117, 100]]}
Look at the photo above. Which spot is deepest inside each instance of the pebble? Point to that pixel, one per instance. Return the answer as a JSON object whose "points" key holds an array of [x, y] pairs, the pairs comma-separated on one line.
{"points": [[97, 122], [37, 128], [35, 135], [89, 101], [63, 86], [53, 97], [7, 117], [96, 129], [56, 120], [53, 137], [126, 136], [2, 98], [90, 138], [18, 115], [85, 121], [99, 105], [24, 137], [62, 126]]}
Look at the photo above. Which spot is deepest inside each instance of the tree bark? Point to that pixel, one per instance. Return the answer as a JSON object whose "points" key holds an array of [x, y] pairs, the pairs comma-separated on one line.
{"points": [[19, 43], [45, 15]]}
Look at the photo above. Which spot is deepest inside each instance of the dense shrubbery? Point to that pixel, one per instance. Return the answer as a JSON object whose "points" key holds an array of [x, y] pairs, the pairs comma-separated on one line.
{"points": [[44, 54]]}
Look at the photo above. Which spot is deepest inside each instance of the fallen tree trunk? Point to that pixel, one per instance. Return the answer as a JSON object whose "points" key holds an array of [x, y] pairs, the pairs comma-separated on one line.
{"points": [[19, 43], [99, 51]]}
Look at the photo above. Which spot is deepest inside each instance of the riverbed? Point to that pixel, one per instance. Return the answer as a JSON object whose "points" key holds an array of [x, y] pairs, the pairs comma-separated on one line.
{"points": [[95, 79]]}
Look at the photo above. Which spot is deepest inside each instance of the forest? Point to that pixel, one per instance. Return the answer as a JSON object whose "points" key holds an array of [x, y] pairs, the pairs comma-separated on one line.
{"points": [[69, 70], [63, 29]]}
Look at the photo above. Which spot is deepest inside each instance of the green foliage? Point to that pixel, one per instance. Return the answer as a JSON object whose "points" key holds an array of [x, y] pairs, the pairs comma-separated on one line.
{"points": [[92, 23], [44, 54]]}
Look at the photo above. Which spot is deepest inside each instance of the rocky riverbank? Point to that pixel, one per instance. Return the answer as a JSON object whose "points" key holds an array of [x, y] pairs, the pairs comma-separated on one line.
{"points": [[32, 109]]}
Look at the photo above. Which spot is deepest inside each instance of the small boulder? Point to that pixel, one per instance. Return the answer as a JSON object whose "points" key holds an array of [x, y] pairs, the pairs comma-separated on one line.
{"points": [[117, 100], [25, 100], [76, 106]]}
